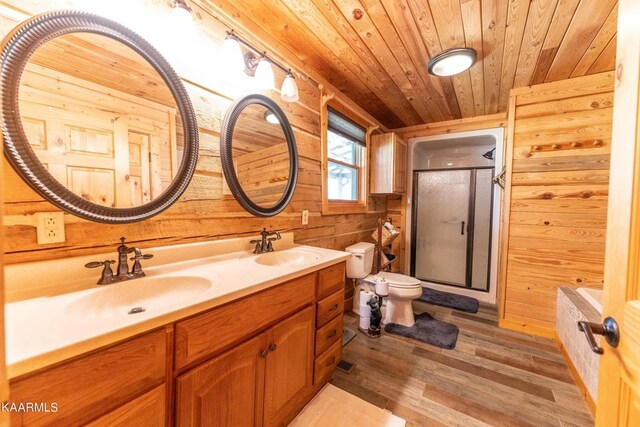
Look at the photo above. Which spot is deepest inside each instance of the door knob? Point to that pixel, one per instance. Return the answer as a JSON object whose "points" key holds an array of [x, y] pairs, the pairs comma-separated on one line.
{"points": [[608, 329]]}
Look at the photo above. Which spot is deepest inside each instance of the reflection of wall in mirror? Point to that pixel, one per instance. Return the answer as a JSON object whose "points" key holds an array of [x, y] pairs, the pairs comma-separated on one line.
{"points": [[109, 147], [263, 174]]}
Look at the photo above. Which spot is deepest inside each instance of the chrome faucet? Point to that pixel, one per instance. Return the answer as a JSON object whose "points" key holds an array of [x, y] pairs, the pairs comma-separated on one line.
{"points": [[265, 244], [123, 273]]}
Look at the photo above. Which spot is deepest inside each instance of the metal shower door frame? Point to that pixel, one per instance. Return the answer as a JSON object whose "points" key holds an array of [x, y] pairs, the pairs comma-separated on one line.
{"points": [[470, 226]]}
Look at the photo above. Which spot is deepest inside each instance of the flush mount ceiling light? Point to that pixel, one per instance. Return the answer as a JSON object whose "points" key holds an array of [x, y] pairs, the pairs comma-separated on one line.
{"points": [[271, 118], [452, 61]]}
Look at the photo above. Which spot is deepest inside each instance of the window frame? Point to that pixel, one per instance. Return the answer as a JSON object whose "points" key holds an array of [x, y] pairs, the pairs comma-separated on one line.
{"points": [[336, 206]]}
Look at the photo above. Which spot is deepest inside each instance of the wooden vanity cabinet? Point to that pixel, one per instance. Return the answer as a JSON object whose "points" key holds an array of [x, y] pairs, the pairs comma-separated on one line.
{"points": [[388, 164], [102, 382], [262, 382], [255, 361]]}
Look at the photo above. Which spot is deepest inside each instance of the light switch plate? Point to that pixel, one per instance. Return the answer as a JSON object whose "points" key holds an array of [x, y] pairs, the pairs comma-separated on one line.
{"points": [[50, 227], [305, 217]]}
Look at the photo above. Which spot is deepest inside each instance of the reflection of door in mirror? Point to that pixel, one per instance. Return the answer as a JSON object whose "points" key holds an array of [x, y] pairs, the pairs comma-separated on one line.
{"points": [[102, 123], [260, 155]]}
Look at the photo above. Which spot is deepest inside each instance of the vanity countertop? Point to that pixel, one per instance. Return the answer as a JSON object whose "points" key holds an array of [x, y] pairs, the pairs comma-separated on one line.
{"points": [[44, 330]]}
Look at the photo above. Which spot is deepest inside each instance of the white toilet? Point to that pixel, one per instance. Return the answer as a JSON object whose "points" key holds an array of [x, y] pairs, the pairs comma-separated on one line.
{"points": [[402, 289]]}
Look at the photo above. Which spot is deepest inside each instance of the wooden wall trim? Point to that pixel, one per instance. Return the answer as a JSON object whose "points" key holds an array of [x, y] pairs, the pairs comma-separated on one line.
{"points": [[506, 209], [449, 126]]}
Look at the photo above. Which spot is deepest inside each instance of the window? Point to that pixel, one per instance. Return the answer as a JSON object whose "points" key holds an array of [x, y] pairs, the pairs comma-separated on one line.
{"points": [[346, 149]]}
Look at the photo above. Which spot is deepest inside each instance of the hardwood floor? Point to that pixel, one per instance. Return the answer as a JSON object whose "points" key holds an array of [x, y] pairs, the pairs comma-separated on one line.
{"points": [[493, 376]]}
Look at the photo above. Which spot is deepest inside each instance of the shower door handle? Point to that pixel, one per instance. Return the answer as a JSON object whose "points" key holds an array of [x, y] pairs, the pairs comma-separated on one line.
{"points": [[462, 228]]}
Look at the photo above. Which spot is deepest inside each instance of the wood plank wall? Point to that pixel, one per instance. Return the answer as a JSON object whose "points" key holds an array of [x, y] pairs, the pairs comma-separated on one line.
{"points": [[198, 216], [555, 206]]}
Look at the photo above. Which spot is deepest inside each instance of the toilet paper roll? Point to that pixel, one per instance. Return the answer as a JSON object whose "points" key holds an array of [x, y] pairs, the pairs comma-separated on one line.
{"points": [[364, 310], [365, 322], [365, 296]]}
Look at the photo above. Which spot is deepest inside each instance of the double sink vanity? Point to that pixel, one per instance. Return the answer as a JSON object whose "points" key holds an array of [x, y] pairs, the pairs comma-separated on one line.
{"points": [[234, 332], [213, 332]]}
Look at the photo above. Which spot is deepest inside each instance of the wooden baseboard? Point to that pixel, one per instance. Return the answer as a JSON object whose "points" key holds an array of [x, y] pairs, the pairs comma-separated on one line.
{"points": [[576, 376], [527, 329]]}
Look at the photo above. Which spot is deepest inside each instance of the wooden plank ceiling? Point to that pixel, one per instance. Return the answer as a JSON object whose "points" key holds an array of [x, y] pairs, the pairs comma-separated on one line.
{"points": [[380, 60]]}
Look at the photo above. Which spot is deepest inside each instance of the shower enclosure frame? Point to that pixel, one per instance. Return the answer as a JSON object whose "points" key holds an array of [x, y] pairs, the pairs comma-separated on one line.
{"points": [[413, 144], [470, 227]]}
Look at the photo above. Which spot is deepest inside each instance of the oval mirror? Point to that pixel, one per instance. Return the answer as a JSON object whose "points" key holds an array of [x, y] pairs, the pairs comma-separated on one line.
{"points": [[259, 155], [101, 125]]}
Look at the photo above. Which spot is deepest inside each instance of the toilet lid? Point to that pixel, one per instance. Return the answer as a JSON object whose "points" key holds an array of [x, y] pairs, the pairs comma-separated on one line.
{"points": [[399, 280]]}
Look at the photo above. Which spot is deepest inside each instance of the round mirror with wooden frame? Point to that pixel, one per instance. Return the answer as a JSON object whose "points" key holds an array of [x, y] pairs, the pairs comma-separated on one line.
{"points": [[94, 119], [259, 155]]}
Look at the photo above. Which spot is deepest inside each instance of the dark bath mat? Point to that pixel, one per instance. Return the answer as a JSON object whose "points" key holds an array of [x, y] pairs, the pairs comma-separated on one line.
{"points": [[429, 330], [447, 299]]}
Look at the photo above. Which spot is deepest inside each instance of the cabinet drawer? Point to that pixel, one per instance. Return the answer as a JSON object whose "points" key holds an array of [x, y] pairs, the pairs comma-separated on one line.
{"points": [[90, 386], [328, 334], [223, 327], [330, 279], [329, 308], [326, 363], [146, 411]]}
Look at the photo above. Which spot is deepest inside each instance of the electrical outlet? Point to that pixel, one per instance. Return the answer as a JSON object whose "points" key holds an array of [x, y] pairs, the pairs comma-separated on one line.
{"points": [[305, 217], [50, 227]]}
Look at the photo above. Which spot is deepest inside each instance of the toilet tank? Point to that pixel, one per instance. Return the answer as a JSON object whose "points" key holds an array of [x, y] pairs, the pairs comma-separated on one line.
{"points": [[361, 261]]}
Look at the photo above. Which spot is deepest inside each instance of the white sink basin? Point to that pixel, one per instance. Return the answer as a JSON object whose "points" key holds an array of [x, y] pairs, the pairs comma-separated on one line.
{"points": [[289, 257], [137, 296]]}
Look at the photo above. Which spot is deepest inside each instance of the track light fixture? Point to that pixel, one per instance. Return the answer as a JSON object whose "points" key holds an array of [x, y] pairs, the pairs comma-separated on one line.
{"points": [[182, 11], [257, 64]]}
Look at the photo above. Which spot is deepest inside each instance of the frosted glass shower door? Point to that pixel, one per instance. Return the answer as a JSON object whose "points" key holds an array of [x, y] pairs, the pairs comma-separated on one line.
{"points": [[441, 221]]}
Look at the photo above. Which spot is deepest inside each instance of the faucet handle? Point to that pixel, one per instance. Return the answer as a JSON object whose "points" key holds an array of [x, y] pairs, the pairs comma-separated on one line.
{"points": [[138, 257], [106, 276], [96, 264]]}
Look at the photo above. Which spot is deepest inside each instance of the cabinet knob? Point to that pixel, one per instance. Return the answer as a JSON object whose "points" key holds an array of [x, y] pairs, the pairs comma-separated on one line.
{"points": [[263, 353], [334, 307], [272, 347], [332, 334]]}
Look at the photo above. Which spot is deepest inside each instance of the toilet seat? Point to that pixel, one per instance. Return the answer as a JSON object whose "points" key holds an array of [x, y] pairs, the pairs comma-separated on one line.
{"points": [[400, 280]]}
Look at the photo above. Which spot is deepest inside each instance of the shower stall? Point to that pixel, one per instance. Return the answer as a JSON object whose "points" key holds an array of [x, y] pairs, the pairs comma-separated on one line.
{"points": [[452, 230], [454, 212]]}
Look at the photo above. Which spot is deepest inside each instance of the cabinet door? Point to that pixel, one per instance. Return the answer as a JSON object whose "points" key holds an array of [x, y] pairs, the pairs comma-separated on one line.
{"points": [[289, 372], [399, 166], [226, 391]]}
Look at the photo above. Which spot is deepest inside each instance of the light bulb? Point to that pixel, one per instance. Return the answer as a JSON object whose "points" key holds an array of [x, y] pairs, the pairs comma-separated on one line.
{"points": [[264, 74], [289, 90], [270, 117], [182, 13], [232, 55]]}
